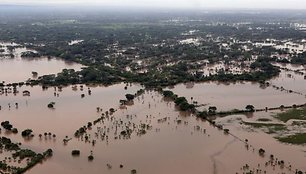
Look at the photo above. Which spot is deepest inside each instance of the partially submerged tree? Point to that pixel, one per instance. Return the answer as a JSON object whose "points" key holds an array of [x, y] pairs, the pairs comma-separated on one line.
{"points": [[129, 97], [250, 108]]}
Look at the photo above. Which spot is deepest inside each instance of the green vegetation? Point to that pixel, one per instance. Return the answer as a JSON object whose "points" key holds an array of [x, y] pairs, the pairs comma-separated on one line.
{"points": [[212, 110], [24, 153], [9, 127], [18, 153], [7, 144], [299, 123], [80, 131], [183, 104], [272, 127], [261, 151], [259, 125], [26, 133], [298, 114], [29, 54], [294, 139], [250, 108], [180, 102], [107, 75], [169, 94], [35, 159], [129, 97], [51, 105], [75, 153], [276, 129], [90, 157], [152, 51]]}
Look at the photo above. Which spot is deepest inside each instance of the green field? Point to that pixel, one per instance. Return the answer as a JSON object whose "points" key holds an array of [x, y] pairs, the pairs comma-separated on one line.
{"points": [[294, 139], [272, 127], [298, 114]]}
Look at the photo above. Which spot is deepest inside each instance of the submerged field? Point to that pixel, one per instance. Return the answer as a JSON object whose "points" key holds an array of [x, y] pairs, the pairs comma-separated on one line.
{"points": [[92, 128], [151, 127], [152, 92], [119, 137]]}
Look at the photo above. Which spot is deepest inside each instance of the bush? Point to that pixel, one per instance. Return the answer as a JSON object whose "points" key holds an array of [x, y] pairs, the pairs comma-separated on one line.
{"points": [[168, 94], [90, 157], [129, 97], [180, 100], [14, 130], [261, 151], [75, 153], [26, 133], [51, 105]]}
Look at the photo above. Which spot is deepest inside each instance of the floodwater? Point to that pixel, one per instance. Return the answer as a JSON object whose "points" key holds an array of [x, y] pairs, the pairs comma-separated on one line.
{"points": [[229, 96], [294, 153], [11, 67], [173, 142], [291, 80], [71, 111], [232, 67], [162, 140]]}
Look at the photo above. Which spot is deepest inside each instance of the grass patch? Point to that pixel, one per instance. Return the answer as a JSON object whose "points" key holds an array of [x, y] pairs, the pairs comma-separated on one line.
{"points": [[275, 129], [298, 114], [259, 125], [263, 119], [294, 139], [272, 127]]}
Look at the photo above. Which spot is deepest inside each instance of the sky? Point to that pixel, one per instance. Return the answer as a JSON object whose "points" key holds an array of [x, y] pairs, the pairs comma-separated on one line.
{"points": [[257, 4]]}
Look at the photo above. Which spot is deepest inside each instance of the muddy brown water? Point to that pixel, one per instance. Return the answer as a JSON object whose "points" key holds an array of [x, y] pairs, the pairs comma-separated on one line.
{"points": [[291, 80], [228, 96], [296, 154], [71, 111], [42, 66], [168, 147], [236, 95], [19, 69]]}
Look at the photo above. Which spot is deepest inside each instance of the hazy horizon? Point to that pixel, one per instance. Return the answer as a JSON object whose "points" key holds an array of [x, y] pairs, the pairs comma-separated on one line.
{"points": [[188, 4]]}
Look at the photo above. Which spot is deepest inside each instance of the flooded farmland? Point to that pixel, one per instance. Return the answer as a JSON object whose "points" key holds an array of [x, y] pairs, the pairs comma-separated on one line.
{"points": [[152, 128], [160, 139], [229, 96], [291, 77], [260, 138], [69, 106], [140, 88]]}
